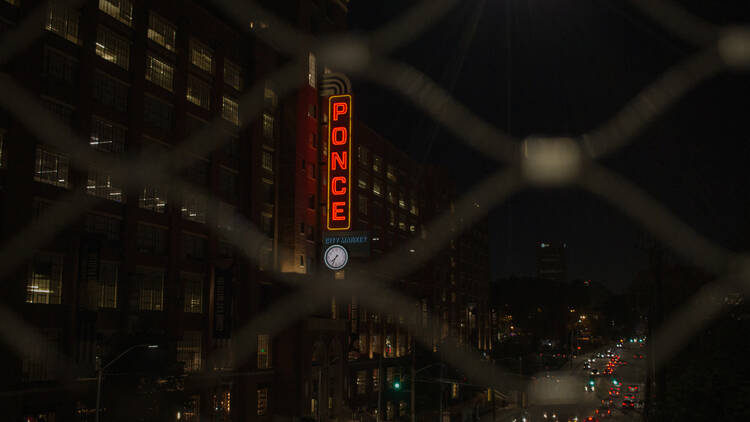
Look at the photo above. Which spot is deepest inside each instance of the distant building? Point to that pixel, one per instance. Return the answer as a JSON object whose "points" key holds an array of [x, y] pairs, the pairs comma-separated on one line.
{"points": [[552, 261]]}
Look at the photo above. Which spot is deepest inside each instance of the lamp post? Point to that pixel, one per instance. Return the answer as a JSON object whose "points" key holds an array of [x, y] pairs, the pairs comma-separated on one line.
{"points": [[100, 371]]}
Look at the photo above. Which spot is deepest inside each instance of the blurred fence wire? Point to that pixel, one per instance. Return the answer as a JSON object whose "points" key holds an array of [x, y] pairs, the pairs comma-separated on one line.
{"points": [[537, 162]]}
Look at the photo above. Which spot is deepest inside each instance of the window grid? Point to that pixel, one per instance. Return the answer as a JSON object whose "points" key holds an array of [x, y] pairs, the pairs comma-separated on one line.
{"points": [[63, 22], [199, 92], [228, 183], [106, 136], [192, 409], [226, 216], [108, 276], [113, 48], [100, 183], [361, 382], [262, 401], [159, 72], [232, 75], [193, 247], [161, 32], [193, 292], [268, 126], [40, 359], [267, 160], [122, 10], [157, 113], [189, 351], [201, 56], [151, 239], [230, 111], [62, 110], [150, 283], [44, 284], [193, 207], [311, 75], [51, 167], [153, 199], [107, 226], [110, 92], [264, 351]]}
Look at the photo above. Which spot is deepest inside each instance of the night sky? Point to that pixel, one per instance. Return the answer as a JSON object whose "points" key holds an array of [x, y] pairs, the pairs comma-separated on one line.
{"points": [[573, 65]]}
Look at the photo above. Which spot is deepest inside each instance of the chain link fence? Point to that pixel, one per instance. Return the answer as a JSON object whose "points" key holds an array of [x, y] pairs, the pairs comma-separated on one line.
{"points": [[528, 163]]}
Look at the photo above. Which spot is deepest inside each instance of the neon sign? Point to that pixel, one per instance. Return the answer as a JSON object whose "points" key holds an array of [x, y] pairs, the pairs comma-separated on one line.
{"points": [[339, 161]]}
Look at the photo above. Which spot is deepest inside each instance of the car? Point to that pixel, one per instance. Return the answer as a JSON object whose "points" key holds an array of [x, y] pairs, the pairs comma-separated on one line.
{"points": [[628, 404], [632, 388], [594, 371]]}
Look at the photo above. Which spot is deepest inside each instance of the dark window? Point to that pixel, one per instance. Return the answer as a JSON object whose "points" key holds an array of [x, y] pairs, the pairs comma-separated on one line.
{"points": [[157, 113], [228, 184], [64, 111], [59, 67], [311, 202], [268, 192], [151, 240], [105, 225], [194, 247], [197, 173], [266, 224], [110, 92]]}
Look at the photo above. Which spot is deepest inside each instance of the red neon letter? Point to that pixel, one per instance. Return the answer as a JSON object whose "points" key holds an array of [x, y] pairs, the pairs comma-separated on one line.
{"points": [[337, 211], [338, 109], [336, 190], [339, 158], [338, 135]]}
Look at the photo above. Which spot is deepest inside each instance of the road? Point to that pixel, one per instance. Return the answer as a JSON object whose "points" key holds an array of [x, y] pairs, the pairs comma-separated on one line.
{"points": [[562, 394]]}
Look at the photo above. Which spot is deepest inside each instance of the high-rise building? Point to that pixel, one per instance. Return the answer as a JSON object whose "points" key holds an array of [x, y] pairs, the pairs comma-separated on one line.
{"points": [[552, 261]]}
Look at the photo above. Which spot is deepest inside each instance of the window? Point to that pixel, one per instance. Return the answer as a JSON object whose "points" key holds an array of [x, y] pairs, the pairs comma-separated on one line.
{"points": [[193, 292], [391, 195], [194, 247], [311, 75], [267, 159], [192, 409], [268, 191], [201, 56], [226, 216], [159, 72], [362, 204], [390, 173], [51, 167], [414, 207], [62, 110], [377, 164], [311, 170], [454, 391], [108, 275], [375, 380], [228, 183], [377, 187], [266, 224], [402, 409], [193, 207], [194, 124], [232, 75], [262, 401], [189, 351], [106, 136], [44, 284], [122, 10], [267, 126], [198, 92], [313, 140], [232, 151], [402, 222], [112, 48], [110, 92], [150, 285], [311, 202], [389, 416], [401, 200], [264, 351], [363, 155], [60, 67], [160, 31], [230, 111], [392, 218], [151, 240], [40, 359], [107, 226], [63, 22], [153, 199], [361, 382], [157, 113], [100, 183]]}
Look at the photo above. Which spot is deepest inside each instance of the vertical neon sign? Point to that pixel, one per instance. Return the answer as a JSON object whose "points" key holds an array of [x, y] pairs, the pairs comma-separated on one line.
{"points": [[339, 162]]}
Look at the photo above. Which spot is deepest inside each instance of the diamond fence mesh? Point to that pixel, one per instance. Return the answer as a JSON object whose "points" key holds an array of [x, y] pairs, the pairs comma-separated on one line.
{"points": [[529, 163]]}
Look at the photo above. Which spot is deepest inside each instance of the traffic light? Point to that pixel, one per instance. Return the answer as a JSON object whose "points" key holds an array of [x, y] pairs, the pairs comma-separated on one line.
{"points": [[615, 382], [396, 383], [591, 382]]}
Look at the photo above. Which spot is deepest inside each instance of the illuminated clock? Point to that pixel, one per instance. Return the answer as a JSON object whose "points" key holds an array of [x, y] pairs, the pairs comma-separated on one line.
{"points": [[336, 257]]}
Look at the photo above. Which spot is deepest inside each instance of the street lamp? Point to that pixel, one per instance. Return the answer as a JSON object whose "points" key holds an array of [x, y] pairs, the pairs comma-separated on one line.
{"points": [[100, 370]]}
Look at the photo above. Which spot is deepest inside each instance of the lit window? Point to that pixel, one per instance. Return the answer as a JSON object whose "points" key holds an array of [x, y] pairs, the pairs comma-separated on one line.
{"points": [[389, 411], [113, 48], [63, 22], [401, 200], [267, 160], [264, 351], [193, 292], [311, 75], [194, 247], [104, 225], [154, 199], [362, 183], [122, 10], [230, 110], [108, 275], [150, 285], [191, 412], [377, 187], [268, 126], [110, 92], [262, 401], [363, 155], [390, 173], [392, 218], [100, 183], [161, 32], [391, 195], [40, 358], [201, 56], [159, 72], [193, 207], [157, 113], [189, 351], [361, 382], [362, 205], [454, 391], [377, 164], [232, 75], [414, 207], [402, 409], [270, 99], [44, 284], [106, 136], [51, 167], [402, 223], [151, 240], [199, 92]]}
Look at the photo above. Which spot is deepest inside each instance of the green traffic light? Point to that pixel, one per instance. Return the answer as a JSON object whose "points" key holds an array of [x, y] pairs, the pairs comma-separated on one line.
{"points": [[396, 385], [591, 382]]}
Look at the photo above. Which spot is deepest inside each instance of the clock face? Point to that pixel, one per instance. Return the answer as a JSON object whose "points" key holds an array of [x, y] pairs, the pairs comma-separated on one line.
{"points": [[336, 257]]}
